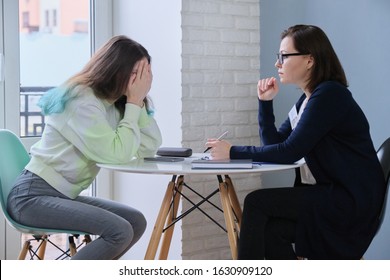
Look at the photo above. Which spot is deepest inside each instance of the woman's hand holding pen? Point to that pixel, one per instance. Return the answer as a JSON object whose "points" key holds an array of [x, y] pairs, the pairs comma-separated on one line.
{"points": [[140, 83], [267, 88], [219, 149]]}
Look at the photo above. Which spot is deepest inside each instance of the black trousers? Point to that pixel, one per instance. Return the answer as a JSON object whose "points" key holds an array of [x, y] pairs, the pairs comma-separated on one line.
{"points": [[268, 223]]}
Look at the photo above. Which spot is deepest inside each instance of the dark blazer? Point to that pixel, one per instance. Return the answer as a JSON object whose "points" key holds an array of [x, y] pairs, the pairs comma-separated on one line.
{"points": [[339, 216]]}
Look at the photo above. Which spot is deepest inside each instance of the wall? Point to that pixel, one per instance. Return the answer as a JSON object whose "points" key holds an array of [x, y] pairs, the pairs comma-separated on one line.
{"points": [[220, 52], [156, 26], [357, 30]]}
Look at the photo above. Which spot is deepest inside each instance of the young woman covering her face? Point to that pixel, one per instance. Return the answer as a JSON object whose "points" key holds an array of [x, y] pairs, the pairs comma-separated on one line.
{"points": [[100, 115], [332, 213]]}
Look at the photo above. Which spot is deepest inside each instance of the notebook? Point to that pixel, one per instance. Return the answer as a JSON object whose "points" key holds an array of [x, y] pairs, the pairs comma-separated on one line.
{"points": [[222, 164]]}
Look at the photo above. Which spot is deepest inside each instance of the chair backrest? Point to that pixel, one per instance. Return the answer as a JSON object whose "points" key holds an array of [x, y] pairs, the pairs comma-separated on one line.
{"points": [[384, 157], [13, 158], [383, 154]]}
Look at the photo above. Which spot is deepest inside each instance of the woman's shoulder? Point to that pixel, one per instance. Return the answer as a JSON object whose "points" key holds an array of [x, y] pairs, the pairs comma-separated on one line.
{"points": [[331, 85], [83, 91], [332, 94], [84, 98], [84, 94], [332, 89]]}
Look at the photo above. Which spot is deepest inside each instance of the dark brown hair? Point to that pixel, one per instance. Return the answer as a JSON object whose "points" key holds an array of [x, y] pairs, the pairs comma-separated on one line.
{"points": [[312, 40]]}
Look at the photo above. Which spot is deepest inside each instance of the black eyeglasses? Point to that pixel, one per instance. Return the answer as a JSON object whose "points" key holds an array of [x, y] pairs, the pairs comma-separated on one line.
{"points": [[281, 56]]}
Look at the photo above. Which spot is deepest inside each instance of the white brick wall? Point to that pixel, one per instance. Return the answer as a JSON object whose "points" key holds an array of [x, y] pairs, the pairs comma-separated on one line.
{"points": [[220, 54]]}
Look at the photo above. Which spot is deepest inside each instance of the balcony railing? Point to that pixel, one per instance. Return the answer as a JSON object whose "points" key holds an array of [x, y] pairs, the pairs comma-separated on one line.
{"points": [[32, 122]]}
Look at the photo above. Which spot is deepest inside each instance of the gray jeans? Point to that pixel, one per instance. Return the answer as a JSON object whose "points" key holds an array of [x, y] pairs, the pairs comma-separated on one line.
{"points": [[34, 202]]}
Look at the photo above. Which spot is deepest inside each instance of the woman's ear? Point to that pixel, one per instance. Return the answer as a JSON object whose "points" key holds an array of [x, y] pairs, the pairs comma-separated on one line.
{"points": [[310, 62]]}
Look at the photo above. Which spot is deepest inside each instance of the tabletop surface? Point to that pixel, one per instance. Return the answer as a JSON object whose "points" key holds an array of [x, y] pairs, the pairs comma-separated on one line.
{"points": [[184, 167]]}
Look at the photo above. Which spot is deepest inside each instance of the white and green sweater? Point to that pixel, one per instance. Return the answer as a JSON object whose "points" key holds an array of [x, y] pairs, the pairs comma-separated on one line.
{"points": [[90, 131]]}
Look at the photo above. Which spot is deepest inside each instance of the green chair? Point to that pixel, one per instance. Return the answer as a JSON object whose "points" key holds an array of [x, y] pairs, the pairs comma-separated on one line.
{"points": [[13, 159]]}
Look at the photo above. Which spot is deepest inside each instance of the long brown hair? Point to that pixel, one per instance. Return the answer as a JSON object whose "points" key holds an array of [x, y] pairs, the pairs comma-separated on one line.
{"points": [[312, 40], [108, 71]]}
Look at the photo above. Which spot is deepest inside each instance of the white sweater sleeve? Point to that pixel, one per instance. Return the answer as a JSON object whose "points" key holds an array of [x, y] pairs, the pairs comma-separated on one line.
{"points": [[88, 129]]}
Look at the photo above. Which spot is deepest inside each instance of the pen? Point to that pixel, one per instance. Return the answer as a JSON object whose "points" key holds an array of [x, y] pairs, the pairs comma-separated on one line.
{"points": [[219, 138]]}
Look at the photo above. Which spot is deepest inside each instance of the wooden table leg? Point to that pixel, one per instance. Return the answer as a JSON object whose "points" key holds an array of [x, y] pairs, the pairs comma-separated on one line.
{"points": [[234, 201], [167, 235], [168, 213], [160, 221], [229, 217]]}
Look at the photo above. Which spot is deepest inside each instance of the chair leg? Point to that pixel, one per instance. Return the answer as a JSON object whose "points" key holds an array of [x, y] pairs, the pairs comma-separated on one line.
{"points": [[42, 247], [39, 252], [87, 239], [72, 246], [24, 250]]}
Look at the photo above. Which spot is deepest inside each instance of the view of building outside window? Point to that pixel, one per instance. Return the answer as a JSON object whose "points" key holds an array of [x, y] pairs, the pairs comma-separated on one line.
{"points": [[55, 43]]}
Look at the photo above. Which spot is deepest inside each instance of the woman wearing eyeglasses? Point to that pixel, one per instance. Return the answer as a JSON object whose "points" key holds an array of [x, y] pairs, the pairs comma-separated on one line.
{"points": [[333, 212]]}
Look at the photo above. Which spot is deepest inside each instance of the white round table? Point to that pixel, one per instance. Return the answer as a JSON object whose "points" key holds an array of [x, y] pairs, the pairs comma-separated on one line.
{"points": [[167, 216]]}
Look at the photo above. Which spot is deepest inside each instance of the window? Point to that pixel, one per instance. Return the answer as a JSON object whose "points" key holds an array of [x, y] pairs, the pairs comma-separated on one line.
{"points": [[47, 19], [50, 52], [54, 18], [26, 19]]}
